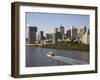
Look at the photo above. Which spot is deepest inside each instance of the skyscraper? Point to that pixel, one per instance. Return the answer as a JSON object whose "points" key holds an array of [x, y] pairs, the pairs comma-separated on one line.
{"points": [[84, 35], [83, 30], [32, 34], [58, 34], [48, 36], [61, 30], [41, 36], [55, 38], [72, 33], [68, 35], [55, 30]]}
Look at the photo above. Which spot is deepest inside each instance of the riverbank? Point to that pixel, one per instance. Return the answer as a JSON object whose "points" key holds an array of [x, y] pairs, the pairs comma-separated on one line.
{"points": [[65, 46]]}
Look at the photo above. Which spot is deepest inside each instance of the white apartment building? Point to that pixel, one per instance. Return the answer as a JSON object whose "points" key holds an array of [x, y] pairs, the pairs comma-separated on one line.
{"points": [[85, 38]]}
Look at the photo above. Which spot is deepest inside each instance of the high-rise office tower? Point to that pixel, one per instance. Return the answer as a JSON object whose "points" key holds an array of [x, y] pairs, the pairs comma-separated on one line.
{"points": [[55, 30], [61, 30], [72, 33], [68, 34], [48, 36], [54, 38], [32, 34], [41, 35]]}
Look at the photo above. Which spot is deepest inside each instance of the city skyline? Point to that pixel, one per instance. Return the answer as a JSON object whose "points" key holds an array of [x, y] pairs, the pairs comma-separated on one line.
{"points": [[48, 21], [65, 31], [58, 35]]}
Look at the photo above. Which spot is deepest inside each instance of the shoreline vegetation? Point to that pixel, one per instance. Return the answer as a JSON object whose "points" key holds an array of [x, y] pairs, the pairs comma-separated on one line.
{"points": [[64, 45]]}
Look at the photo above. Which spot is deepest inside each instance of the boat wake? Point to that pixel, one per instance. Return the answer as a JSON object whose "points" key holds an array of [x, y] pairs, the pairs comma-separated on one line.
{"points": [[65, 59]]}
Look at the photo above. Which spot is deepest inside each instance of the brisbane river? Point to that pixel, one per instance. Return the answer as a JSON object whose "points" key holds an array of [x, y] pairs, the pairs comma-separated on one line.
{"points": [[38, 56]]}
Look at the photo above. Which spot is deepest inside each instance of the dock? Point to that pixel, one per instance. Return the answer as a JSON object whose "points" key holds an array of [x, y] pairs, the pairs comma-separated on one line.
{"points": [[68, 60]]}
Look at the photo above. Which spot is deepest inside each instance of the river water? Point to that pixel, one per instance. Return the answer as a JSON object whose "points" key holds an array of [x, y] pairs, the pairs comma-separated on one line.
{"points": [[37, 56]]}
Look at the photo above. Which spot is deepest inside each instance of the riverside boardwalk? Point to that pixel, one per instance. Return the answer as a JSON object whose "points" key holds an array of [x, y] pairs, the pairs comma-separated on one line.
{"points": [[68, 60]]}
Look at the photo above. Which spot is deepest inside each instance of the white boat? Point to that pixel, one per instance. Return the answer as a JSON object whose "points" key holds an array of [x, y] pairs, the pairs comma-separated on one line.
{"points": [[50, 54]]}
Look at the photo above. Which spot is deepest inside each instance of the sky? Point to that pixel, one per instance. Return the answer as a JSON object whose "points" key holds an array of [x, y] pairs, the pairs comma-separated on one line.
{"points": [[48, 21]]}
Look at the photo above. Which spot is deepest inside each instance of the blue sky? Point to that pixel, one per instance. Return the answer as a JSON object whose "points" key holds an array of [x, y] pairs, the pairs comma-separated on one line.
{"points": [[48, 21]]}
